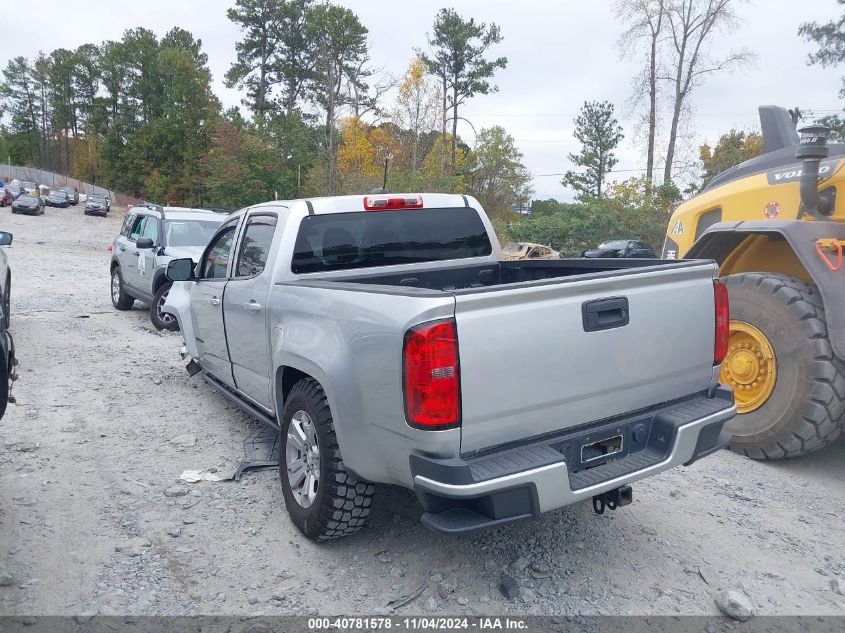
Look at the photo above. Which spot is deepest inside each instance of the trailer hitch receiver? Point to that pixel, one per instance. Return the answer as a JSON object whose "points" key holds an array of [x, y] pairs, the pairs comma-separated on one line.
{"points": [[613, 499]]}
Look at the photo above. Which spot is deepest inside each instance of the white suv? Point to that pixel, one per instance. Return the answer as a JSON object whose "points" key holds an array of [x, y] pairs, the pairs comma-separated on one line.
{"points": [[152, 236]]}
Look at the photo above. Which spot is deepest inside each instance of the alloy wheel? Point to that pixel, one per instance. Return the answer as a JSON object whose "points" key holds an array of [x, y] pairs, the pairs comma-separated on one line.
{"points": [[302, 455]]}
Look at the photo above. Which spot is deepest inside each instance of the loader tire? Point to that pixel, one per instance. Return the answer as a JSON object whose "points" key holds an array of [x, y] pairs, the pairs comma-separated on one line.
{"points": [[342, 501], [805, 411]]}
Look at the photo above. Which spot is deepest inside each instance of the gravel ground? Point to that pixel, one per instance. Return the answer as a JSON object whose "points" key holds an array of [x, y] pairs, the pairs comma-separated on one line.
{"points": [[107, 419]]}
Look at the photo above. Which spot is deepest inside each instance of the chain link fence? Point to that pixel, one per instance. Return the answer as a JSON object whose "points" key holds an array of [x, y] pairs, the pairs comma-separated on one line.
{"points": [[54, 180]]}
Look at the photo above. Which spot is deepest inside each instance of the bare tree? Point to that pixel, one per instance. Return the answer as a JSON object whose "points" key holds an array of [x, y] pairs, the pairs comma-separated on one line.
{"points": [[645, 19], [691, 24], [364, 98]]}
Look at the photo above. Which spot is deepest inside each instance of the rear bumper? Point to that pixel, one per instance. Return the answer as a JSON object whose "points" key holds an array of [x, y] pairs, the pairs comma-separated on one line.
{"points": [[517, 483]]}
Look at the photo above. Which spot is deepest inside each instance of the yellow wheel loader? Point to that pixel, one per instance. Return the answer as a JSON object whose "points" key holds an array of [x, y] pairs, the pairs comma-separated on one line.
{"points": [[776, 227]]}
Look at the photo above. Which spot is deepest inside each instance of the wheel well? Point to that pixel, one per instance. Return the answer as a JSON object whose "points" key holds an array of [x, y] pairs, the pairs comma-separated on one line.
{"points": [[286, 378], [754, 252], [113, 265], [159, 282]]}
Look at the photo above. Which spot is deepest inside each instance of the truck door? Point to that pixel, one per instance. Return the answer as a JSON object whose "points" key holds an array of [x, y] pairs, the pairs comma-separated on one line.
{"points": [[245, 311], [207, 303]]}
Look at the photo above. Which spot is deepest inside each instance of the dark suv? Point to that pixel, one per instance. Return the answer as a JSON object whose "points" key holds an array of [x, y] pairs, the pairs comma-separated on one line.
{"points": [[72, 195]]}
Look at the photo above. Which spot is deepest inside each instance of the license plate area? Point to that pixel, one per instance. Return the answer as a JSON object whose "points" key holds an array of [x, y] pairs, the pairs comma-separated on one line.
{"points": [[605, 442], [601, 449]]}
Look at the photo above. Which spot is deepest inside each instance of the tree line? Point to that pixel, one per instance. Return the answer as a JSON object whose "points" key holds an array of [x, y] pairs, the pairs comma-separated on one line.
{"points": [[138, 114], [318, 116]]}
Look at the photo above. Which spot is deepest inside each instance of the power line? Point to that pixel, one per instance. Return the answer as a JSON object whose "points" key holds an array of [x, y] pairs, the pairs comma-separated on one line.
{"points": [[806, 110], [610, 171]]}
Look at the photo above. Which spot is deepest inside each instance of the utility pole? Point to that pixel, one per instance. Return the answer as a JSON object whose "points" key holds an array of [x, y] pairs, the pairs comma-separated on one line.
{"points": [[298, 178]]}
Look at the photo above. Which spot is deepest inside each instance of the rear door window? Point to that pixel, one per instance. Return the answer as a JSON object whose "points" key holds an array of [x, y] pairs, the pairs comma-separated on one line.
{"points": [[255, 245], [127, 224], [342, 241]]}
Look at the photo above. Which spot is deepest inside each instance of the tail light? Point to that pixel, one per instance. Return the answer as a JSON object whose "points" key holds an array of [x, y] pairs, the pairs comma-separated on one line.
{"points": [[723, 318], [432, 376], [385, 203]]}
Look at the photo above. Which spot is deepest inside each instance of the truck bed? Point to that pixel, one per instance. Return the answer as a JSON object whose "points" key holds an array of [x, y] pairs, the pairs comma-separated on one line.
{"points": [[505, 272]]}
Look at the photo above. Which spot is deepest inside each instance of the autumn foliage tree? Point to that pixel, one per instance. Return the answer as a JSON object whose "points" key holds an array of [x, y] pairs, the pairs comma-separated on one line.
{"points": [[733, 148], [498, 178], [416, 113], [239, 168]]}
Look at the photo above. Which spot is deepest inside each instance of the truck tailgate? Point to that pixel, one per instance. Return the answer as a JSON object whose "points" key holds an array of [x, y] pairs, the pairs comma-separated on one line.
{"points": [[529, 365]]}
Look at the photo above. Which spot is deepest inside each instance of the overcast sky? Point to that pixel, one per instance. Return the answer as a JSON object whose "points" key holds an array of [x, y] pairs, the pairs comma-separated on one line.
{"points": [[560, 53]]}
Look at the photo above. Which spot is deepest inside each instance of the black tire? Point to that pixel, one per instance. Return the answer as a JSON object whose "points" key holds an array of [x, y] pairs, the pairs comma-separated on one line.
{"points": [[805, 411], [4, 385], [162, 320], [120, 299], [7, 302], [342, 501]]}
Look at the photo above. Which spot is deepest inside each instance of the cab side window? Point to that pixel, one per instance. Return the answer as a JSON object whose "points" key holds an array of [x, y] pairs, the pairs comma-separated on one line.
{"points": [[215, 264], [255, 245], [137, 227]]}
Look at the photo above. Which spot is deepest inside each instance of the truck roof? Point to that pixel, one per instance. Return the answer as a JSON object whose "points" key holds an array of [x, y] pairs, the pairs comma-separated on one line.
{"points": [[181, 213], [355, 203]]}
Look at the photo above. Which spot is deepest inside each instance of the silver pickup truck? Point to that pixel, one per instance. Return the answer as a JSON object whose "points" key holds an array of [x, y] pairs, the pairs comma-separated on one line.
{"points": [[389, 342]]}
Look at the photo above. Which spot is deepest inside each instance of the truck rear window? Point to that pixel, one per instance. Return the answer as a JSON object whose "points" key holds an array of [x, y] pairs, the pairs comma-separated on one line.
{"points": [[341, 241]]}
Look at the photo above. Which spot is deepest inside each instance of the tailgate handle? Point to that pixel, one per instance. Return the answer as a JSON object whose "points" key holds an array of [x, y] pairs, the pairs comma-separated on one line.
{"points": [[605, 314]]}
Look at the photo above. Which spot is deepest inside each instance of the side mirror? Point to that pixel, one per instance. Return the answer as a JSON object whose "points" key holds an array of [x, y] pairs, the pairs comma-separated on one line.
{"points": [[5, 238], [144, 243], [180, 269]]}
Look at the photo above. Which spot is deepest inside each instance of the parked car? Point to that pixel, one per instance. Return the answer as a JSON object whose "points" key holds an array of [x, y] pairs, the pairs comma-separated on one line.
{"points": [[57, 198], [6, 197], [29, 187], [97, 205], [622, 248], [152, 236], [32, 205], [15, 190], [386, 329], [72, 195], [8, 362]]}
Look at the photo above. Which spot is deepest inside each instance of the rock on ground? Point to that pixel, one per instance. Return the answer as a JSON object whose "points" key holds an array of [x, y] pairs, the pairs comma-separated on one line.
{"points": [[734, 604]]}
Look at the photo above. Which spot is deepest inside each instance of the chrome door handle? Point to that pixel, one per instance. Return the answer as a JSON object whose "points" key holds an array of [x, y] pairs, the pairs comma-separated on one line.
{"points": [[214, 301], [252, 307]]}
